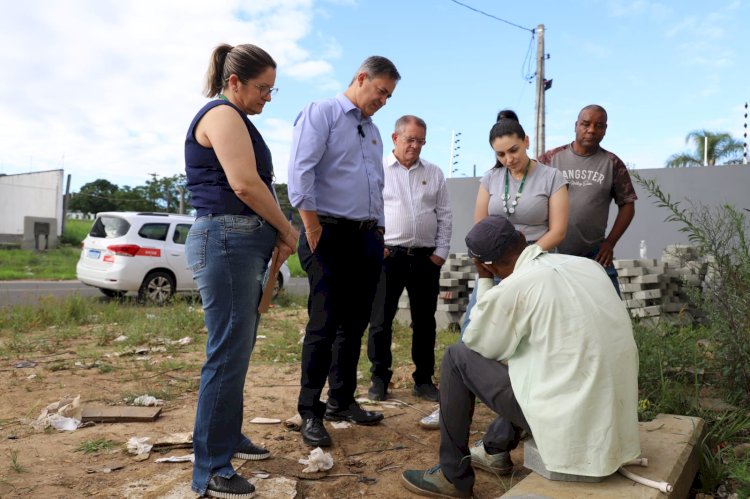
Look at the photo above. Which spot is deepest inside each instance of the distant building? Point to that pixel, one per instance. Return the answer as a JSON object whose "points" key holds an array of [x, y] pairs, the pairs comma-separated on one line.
{"points": [[31, 209]]}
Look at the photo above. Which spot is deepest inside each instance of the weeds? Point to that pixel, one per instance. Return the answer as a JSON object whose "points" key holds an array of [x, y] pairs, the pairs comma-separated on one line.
{"points": [[678, 366], [14, 464], [96, 446], [721, 235]]}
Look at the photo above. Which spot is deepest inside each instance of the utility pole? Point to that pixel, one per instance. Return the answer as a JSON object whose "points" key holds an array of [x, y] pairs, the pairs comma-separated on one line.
{"points": [[541, 86], [744, 152]]}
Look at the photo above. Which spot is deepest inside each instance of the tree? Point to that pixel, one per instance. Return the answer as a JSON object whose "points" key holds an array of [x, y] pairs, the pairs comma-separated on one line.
{"points": [[164, 192], [722, 149], [94, 197]]}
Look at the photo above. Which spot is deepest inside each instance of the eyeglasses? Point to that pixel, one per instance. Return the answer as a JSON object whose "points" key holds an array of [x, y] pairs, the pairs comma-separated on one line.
{"points": [[412, 140], [266, 91]]}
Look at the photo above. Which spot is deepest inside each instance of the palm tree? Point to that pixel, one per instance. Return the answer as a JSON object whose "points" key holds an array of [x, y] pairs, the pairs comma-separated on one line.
{"points": [[721, 147]]}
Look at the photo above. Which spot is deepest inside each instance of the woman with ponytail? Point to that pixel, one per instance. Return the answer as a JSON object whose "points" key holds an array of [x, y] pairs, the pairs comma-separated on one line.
{"points": [[238, 225]]}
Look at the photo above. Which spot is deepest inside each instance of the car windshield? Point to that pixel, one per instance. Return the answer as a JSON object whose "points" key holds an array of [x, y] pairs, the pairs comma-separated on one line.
{"points": [[109, 227]]}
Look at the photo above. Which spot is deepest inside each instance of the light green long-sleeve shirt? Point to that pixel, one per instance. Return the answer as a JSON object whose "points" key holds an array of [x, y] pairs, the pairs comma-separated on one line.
{"points": [[572, 359]]}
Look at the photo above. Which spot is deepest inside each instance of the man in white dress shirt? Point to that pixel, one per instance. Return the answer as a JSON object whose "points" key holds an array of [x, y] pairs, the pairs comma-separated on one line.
{"points": [[418, 223]]}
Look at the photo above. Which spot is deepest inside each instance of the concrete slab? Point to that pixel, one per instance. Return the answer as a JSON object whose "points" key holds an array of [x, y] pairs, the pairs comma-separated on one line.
{"points": [[669, 442]]}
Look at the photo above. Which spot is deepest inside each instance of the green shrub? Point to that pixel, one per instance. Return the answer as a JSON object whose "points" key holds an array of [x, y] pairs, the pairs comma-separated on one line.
{"points": [[720, 233]]}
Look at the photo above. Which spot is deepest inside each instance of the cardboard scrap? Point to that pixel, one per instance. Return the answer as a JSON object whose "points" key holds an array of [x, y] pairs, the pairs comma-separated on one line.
{"points": [[259, 420], [119, 414]]}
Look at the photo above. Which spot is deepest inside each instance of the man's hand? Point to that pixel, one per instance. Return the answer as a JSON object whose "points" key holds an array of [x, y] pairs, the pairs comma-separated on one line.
{"points": [[313, 236], [483, 270], [437, 260], [606, 253]]}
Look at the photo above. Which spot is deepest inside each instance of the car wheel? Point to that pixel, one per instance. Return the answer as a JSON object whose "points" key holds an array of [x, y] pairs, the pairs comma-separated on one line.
{"points": [[112, 293], [158, 287], [279, 284]]}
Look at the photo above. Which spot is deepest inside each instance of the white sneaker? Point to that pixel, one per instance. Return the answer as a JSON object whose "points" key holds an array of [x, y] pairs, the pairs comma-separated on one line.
{"points": [[499, 464], [431, 422]]}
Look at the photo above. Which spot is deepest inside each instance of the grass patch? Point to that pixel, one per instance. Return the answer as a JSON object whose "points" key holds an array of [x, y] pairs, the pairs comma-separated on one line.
{"points": [[96, 446], [56, 264], [75, 231], [295, 268], [14, 464]]}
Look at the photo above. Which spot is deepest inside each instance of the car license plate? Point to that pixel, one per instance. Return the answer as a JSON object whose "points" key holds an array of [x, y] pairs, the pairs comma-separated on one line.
{"points": [[94, 253]]}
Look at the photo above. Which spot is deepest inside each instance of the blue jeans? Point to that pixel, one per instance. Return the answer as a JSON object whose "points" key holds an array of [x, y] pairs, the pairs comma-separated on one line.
{"points": [[472, 302], [228, 255]]}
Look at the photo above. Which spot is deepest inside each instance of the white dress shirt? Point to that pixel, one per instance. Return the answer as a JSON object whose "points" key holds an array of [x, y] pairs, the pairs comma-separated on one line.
{"points": [[417, 210]]}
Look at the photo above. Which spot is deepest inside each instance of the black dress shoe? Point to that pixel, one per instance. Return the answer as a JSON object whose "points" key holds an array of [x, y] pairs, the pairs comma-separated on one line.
{"points": [[314, 433], [354, 414], [427, 391], [230, 488], [378, 391]]}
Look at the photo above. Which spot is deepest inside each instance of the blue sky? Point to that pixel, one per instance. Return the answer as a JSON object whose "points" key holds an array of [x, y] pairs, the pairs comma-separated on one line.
{"points": [[107, 89]]}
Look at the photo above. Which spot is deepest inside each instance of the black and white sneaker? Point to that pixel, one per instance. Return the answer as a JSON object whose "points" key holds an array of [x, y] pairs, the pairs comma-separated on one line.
{"points": [[230, 488], [251, 452]]}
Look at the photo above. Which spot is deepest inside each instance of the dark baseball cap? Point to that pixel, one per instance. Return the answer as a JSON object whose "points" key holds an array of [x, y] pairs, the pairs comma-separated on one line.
{"points": [[490, 238]]}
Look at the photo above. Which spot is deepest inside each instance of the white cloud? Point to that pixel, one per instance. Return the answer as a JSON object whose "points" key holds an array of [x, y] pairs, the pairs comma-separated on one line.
{"points": [[107, 89]]}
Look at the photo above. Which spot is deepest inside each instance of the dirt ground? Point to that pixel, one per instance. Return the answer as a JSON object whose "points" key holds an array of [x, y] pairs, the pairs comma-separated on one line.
{"points": [[368, 461]]}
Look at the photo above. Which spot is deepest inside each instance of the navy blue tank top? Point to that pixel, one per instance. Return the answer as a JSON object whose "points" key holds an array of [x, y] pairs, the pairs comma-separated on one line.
{"points": [[210, 192]]}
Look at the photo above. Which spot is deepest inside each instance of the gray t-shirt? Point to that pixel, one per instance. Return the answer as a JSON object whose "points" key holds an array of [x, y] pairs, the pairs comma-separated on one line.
{"points": [[532, 211], [594, 181]]}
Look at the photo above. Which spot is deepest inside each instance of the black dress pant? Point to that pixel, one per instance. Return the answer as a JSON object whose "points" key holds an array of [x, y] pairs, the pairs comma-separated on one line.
{"points": [[465, 376], [343, 273], [420, 277]]}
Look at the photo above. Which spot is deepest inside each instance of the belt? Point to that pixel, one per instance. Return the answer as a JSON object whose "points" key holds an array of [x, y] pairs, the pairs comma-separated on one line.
{"points": [[345, 222], [411, 251]]}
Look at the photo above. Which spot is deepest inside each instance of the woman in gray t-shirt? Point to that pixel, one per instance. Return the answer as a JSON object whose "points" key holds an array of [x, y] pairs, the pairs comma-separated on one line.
{"points": [[531, 195]]}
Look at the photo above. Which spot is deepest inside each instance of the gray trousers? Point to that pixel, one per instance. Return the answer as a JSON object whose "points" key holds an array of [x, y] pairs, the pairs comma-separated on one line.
{"points": [[464, 376]]}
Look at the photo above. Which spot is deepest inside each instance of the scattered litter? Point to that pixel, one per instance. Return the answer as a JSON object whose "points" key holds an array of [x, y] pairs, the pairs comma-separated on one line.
{"points": [[150, 316], [24, 364], [340, 425], [120, 338], [265, 421], [261, 337], [260, 474], [139, 445], [177, 459], [174, 441], [31, 376], [64, 415], [147, 401], [106, 469], [294, 423], [183, 341], [119, 413], [110, 469], [317, 461]]}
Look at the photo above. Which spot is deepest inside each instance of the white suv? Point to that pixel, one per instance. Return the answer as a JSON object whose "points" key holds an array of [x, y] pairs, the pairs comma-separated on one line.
{"points": [[141, 252]]}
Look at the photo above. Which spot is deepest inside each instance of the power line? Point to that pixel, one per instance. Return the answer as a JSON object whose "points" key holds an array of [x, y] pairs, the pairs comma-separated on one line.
{"points": [[491, 16]]}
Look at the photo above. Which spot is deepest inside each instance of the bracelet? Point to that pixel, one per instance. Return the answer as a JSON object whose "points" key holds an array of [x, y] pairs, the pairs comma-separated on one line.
{"points": [[318, 229]]}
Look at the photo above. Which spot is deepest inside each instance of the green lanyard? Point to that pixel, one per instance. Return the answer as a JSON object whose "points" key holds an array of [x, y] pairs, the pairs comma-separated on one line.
{"points": [[506, 197]]}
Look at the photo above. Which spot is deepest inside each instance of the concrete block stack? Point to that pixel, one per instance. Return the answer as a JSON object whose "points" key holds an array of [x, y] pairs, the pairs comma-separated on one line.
{"points": [[456, 282], [658, 290]]}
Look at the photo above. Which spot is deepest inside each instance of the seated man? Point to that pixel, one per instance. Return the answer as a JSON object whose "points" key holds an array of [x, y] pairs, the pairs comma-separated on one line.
{"points": [[571, 377]]}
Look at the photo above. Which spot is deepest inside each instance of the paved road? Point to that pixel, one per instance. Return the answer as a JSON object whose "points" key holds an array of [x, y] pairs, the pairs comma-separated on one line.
{"points": [[29, 292]]}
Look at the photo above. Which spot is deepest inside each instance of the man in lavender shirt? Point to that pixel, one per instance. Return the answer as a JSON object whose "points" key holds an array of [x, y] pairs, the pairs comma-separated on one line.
{"points": [[336, 183]]}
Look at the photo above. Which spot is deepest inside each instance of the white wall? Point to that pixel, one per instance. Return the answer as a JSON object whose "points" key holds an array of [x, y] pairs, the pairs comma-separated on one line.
{"points": [[37, 194]]}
